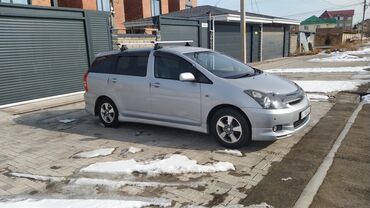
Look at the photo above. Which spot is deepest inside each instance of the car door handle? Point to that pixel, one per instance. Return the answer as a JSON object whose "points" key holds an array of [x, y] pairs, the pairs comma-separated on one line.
{"points": [[156, 84], [114, 80]]}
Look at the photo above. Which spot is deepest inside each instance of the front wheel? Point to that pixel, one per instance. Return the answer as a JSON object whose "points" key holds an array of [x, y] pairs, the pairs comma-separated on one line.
{"points": [[108, 113], [230, 128]]}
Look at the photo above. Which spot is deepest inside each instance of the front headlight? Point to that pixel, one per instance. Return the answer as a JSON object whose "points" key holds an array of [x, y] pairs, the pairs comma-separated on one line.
{"points": [[266, 100]]}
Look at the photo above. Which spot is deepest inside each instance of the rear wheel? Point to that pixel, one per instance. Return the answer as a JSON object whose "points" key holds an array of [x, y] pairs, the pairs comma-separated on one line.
{"points": [[230, 128], [108, 113]]}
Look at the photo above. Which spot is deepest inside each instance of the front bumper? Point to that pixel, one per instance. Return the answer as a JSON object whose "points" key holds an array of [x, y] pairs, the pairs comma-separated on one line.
{"points": [[288, 120]]}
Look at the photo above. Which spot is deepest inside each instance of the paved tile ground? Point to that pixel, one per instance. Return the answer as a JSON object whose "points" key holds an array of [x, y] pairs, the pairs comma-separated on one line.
{"points": [[37, 143]]}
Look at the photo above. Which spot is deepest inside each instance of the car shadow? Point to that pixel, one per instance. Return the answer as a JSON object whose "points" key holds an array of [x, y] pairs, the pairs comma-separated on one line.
{"points": [[151, 135]]}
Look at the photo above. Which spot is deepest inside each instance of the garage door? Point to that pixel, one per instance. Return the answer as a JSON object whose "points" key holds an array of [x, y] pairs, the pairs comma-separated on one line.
{"points": [[273, 42], [227, 39], [174, 29], [44, 52], [40, 58]]}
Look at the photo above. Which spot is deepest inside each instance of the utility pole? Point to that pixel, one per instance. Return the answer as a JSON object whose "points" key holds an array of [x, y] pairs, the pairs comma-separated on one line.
{"points": [[363, 21], [243, 30]]}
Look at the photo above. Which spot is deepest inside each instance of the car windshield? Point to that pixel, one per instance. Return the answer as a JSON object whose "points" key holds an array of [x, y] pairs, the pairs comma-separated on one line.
{"points": [[222, 65]]}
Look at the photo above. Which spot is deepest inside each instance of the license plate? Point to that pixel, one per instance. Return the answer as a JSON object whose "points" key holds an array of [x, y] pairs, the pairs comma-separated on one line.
{"points": [[305, 113]]}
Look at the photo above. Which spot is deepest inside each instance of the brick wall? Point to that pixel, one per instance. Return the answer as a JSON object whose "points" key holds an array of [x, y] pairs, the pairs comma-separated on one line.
{"points": [[79, 4], [134, 9], [70, 3], [89, 4], [176, 5], [164, 6], [41, 2], [119, 15]]}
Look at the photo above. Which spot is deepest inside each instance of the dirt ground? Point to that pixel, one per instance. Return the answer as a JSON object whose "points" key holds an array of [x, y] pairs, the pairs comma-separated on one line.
{"points": [[348, 181]]}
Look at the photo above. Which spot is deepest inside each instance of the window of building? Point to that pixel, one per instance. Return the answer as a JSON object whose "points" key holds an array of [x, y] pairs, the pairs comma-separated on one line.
{"points": [[133, 65], [156, 7], [103, 5], [305, 27], [16, 1], [168, 66]]}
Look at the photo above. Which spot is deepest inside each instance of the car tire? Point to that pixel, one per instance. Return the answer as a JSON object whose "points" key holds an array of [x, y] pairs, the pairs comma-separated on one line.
{"points": [[230, 128], [108, 113]]}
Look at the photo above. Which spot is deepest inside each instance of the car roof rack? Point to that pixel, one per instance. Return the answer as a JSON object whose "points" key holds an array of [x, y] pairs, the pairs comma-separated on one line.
{"points": [[123, 46]]}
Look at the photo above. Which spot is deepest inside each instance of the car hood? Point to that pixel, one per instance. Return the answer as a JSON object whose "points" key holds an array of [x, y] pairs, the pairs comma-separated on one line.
{"points": [[266, 83]]}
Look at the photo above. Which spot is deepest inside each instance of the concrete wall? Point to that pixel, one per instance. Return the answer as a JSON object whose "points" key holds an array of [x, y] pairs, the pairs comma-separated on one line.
{"points": [[329, 36]]}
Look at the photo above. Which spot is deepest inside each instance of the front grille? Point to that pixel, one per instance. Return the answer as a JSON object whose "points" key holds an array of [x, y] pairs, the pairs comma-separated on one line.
{"points": [[300, 122], [293, 98]]}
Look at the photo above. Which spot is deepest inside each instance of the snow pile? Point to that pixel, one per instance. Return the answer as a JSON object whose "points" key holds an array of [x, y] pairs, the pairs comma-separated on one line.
{"points": [[230, 152], [318, 70], [329, 86], [365, 98], [66, 121], [174, 164], [95, 153], [340, 57], [79, 203], [38, 177], [117, 184], [317, 97]]}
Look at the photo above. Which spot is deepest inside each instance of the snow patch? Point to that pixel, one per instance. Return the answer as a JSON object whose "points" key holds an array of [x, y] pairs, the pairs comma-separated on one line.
{"points": [[117, 184], [287, 179], [340, 57], [66, 121], [326, 86], [134, 150], [230, 152], [38, 177], [78, 203], [365, 98], [317, 97], [94, 153], [175, 164], [318, 70], [362, 51]]}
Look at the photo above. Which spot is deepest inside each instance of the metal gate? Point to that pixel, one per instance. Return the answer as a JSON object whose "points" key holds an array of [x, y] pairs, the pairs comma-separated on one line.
{"points": [[227, 40], [172, 29], [45, 51], [273, 42]]}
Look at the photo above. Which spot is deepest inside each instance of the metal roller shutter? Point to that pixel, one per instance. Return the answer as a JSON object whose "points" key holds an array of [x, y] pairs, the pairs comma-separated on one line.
{"points": [[40, 57], [273, 42]]}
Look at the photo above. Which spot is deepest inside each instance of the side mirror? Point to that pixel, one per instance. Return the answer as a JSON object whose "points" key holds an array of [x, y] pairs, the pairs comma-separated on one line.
{"points": [[187, 77]]}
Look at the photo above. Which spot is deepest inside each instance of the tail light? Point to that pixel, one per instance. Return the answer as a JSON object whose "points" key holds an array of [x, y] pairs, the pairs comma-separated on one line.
{"points": [[86, 87]]}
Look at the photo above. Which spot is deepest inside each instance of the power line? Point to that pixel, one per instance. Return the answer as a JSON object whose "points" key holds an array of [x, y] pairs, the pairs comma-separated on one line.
{"points": [[310, 12]]}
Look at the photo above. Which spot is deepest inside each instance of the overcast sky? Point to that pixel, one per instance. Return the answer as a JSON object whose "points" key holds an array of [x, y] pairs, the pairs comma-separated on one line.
{"points": [[294, 9]]}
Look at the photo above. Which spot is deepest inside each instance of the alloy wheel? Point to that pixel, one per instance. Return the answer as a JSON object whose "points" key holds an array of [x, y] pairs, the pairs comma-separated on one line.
{"points": [[107, 112], [229, 129]]}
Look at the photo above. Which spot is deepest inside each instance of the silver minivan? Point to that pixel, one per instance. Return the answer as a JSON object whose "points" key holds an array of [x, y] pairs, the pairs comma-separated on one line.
{"points": [[195, 89]]}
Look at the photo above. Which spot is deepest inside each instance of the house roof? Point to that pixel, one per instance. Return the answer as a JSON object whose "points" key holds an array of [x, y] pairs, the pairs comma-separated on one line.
{"points": [[313, 20], [200, 12], [344, 13]]}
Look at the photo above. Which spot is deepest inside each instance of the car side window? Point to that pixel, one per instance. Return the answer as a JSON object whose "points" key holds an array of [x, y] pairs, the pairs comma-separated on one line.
{"points": [[132, 65], [168, 66], [103, 64]]}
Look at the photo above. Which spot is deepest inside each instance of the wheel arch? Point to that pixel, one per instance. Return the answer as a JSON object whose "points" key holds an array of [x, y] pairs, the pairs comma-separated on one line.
{"points": [[222, 106], [98, 100]]}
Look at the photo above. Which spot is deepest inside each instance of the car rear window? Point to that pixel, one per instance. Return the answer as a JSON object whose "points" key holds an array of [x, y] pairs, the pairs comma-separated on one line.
{"points": [[103, 64], [133, 64]]}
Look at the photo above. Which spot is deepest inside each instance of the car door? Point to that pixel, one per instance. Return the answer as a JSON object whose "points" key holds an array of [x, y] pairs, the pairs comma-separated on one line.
{"points": [[173, 100], [130, 84]]}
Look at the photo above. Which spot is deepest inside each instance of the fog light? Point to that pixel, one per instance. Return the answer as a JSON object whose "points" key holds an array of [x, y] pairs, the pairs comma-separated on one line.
{"points": [[277, 128]]}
